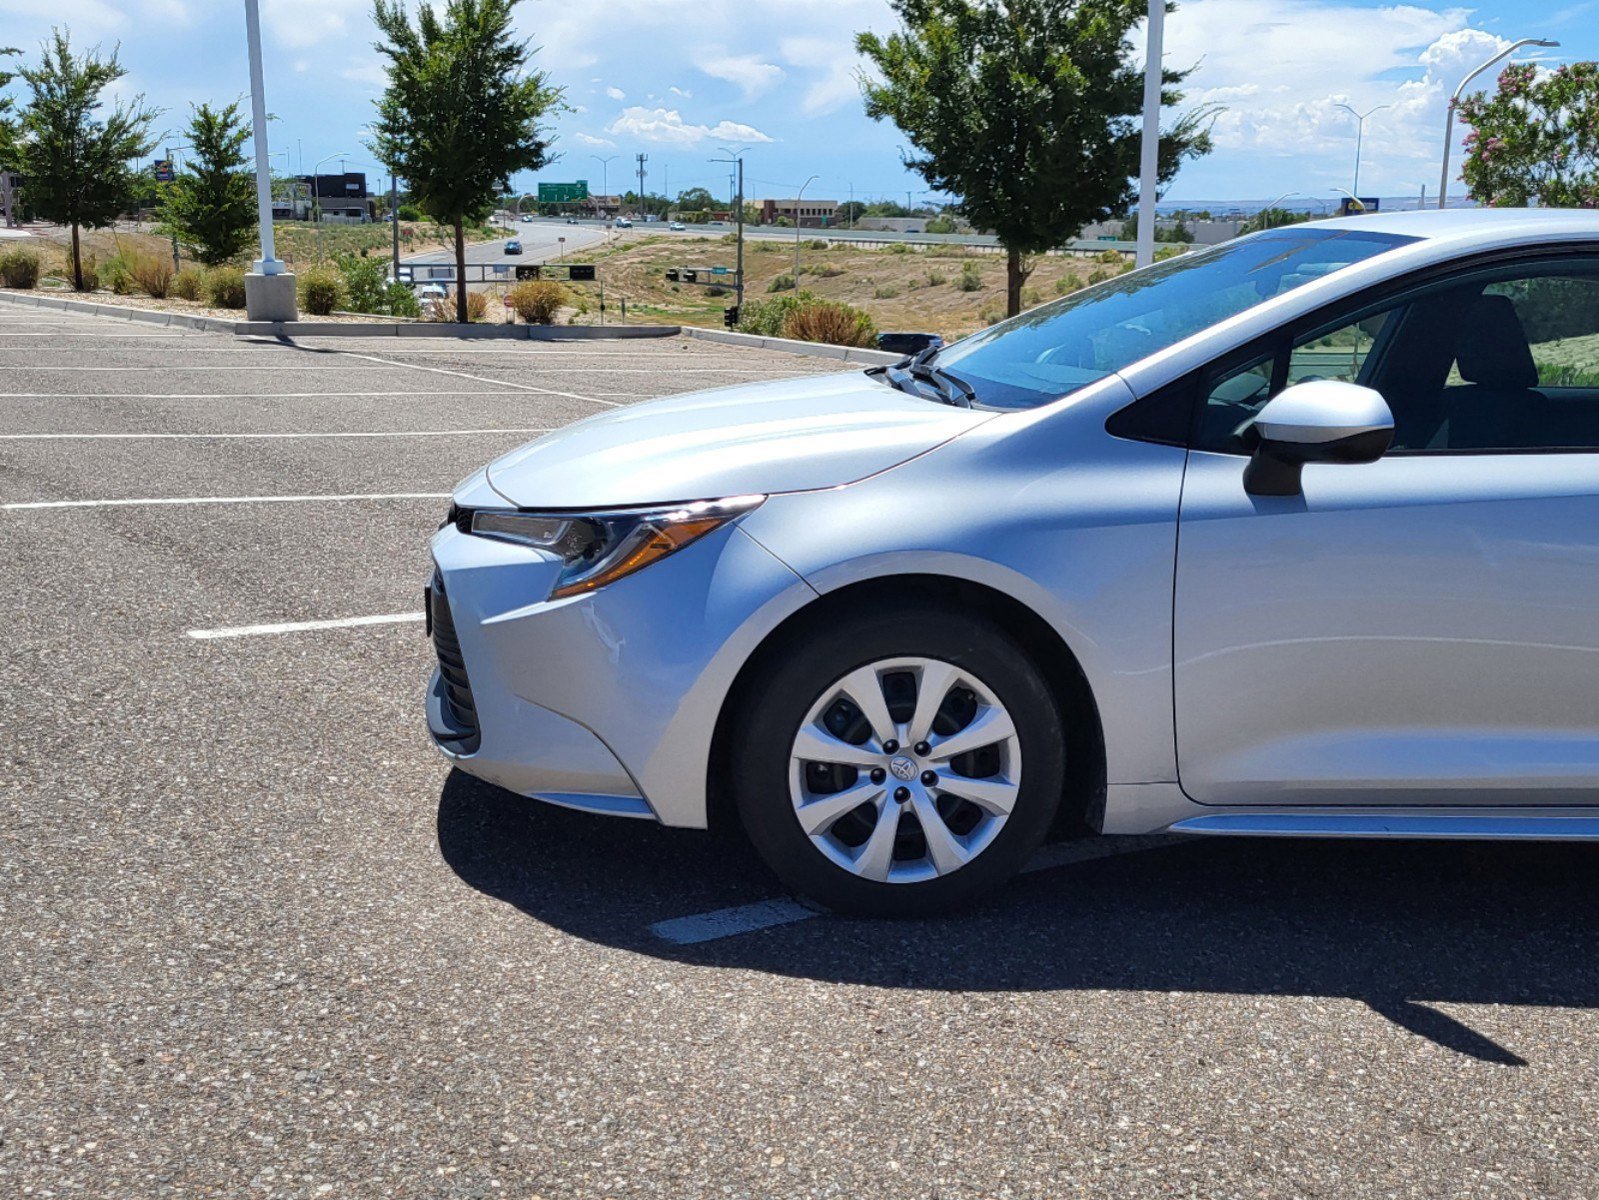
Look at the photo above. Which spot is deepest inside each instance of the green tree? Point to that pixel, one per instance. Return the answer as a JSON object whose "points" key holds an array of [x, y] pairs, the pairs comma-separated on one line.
{"points": [[211, 206], [1535, 138], [1028, 110], [462, 111], [1273, 218], [695, 199], [74, 151]]}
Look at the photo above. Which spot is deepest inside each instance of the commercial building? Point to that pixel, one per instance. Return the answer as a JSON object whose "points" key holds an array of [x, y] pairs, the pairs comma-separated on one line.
{"points": [[339, 198], [811, 214]]}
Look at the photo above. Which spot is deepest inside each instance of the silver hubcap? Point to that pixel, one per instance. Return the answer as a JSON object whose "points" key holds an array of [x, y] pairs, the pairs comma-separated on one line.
{"points": [[905, 770]]}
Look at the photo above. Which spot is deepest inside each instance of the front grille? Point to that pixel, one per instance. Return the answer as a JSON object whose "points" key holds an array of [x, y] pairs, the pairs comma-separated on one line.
{"points": [[459, 710]]}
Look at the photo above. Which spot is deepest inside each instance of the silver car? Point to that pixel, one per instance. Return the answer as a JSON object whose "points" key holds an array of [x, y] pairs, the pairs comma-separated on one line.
{"points": [[1297, 535]]}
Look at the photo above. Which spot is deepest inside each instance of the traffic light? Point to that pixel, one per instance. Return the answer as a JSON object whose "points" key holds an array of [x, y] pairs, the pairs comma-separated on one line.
{"points": [[730, 317]]}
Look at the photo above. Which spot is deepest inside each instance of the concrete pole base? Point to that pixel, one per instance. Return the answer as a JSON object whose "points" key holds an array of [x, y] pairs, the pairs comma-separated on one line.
{"points": [[270, 297]]}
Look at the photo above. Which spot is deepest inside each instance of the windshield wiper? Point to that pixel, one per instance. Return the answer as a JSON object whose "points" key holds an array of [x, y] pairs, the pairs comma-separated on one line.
{"points": [[949, 387]]}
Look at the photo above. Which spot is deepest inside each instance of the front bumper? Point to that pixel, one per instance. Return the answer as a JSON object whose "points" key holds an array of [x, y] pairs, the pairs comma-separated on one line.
{"points": [[605, 702]]}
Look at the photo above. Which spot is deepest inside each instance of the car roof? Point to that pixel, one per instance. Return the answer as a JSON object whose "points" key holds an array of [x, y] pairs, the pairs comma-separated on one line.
{"points": [[1471, 224]]}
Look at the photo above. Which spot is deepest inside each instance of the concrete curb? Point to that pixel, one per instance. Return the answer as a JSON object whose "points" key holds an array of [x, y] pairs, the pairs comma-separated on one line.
{"points": [[429, 329], [448, 329], [755, 341], [144, 315]]}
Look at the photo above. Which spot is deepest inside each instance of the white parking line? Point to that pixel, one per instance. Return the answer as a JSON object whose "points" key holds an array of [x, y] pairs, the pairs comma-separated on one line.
{"points": [[526, 387], [764, 914], [245, 395], [405, 433], [240, 631], [34, 504]]}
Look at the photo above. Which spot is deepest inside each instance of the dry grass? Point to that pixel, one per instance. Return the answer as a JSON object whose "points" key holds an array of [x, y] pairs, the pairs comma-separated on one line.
{"points": [[899, 289]]}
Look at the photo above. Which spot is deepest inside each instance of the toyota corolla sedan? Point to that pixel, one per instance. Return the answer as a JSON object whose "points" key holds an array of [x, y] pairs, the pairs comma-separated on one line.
{"points": [[1297, 535]]}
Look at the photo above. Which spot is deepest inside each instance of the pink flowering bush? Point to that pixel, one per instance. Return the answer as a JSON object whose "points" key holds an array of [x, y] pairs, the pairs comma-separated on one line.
{"points": [[1535, 138]]}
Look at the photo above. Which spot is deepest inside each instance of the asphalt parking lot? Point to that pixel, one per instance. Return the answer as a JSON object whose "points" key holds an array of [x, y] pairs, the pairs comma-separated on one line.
{"points": [[257, 940]]}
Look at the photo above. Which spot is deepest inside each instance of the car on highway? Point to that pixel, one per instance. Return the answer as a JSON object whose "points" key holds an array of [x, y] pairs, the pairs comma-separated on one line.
{"points": [[623, 223], [430, 291], [677, 227], [513, 247], [1297, 535], [527, 218], [572, 221]]}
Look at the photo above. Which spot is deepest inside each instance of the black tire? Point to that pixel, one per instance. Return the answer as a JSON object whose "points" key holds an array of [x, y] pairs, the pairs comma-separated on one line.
{"points": [[811, 664]]}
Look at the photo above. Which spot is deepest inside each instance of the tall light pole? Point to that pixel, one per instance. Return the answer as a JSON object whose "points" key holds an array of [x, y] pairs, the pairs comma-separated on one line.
{"points": [[268, 288], [605, 180], [797, 201], [316, 198], [1270, 208], [1149, 148], [1360, 137], [177, 264], [736, 157], [1449, 117]]}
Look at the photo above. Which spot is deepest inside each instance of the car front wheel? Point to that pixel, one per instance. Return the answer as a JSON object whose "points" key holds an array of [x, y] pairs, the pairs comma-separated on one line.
{"points": [[900, 764]]}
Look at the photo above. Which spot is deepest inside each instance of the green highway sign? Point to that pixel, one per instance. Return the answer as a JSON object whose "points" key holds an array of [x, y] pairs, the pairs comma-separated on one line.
{"points": [[563, 193]]}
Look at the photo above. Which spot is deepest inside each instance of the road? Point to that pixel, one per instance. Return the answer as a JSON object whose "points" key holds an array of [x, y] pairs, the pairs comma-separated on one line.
{"points": [[540, 243], [258, 940]]}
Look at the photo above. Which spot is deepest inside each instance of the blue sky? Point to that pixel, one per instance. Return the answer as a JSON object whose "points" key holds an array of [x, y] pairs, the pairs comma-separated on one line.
{"points": [[676, 79]]}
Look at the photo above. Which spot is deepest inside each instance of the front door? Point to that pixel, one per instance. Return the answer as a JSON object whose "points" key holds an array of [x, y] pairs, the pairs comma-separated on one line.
{"points": [[1424, 629]]}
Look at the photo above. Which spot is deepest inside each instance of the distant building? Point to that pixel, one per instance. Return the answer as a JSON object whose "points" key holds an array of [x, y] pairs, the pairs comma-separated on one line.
{"points": [[811, 214], [338, 197]]}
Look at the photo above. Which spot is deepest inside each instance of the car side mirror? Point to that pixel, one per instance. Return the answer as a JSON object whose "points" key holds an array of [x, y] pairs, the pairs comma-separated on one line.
{"points": [[1322, 421]]}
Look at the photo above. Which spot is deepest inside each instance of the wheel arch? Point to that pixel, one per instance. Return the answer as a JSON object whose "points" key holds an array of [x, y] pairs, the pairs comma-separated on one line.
{"points": [[1083, 804]]}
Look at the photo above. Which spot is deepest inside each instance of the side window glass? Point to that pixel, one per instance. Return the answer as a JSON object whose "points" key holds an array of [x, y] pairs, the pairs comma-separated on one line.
{"points": [[1525, 374], [1338, 354], [1231, 402]]}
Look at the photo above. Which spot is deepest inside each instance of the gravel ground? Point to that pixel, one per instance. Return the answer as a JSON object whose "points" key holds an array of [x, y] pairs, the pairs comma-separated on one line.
{"points": [[257, 941]]}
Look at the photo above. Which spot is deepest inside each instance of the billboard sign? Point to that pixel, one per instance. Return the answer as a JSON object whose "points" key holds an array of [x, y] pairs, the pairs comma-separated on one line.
{"points": [[163, 170]]}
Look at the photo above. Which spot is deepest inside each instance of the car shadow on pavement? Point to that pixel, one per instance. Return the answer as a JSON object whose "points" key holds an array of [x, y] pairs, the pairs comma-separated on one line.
{"points": [[1401, 926]]}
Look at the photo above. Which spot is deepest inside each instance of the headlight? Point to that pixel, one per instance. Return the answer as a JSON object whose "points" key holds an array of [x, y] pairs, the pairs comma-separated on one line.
{"points": [[600, 548]]}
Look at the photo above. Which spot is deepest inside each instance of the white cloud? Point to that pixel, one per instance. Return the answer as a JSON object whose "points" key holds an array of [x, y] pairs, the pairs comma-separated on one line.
{"points": [[836, 64], [301, 24], [590, 140], [616, 93], [666, 126], [745, 71], [677, 91], [1279, 68]]}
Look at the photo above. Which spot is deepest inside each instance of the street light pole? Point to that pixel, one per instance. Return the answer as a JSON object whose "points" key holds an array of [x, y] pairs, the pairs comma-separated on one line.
{"points": [[177, 264], [1449, 116], [316, 200], [736, 158], [1360, 137], [1149, 149], [268, 289], [797, 202], [1270, 208], [605, 178]]}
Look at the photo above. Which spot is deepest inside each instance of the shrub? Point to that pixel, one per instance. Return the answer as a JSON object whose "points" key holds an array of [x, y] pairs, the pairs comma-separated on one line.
{"points": [[443, 309], [224, 287], [899, 248], [1098, 275], [321, 291], [19, 269], [537, 302], [818, 243], [116, 274], [188, 285], [886, 292], [1066, 285], [1030, 297], [971, 279], [364, 281], [831, 322], [767, 317], [990, 316], [829, 270], [781, 283], [935, 278], [1166, 252], [410, 212], [1109, 257], [401, 301], [153, 273]]}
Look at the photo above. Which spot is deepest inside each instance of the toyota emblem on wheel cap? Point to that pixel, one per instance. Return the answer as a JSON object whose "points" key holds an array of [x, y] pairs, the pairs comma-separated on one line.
{"points": [[903, 768]]}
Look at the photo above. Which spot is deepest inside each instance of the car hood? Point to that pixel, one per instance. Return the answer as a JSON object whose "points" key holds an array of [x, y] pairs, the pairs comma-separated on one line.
{"points": [[787, 436]]}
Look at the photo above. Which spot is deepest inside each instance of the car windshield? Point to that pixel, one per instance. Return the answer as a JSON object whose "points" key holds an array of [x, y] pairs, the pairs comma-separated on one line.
{"points": [[1057, 348]]}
